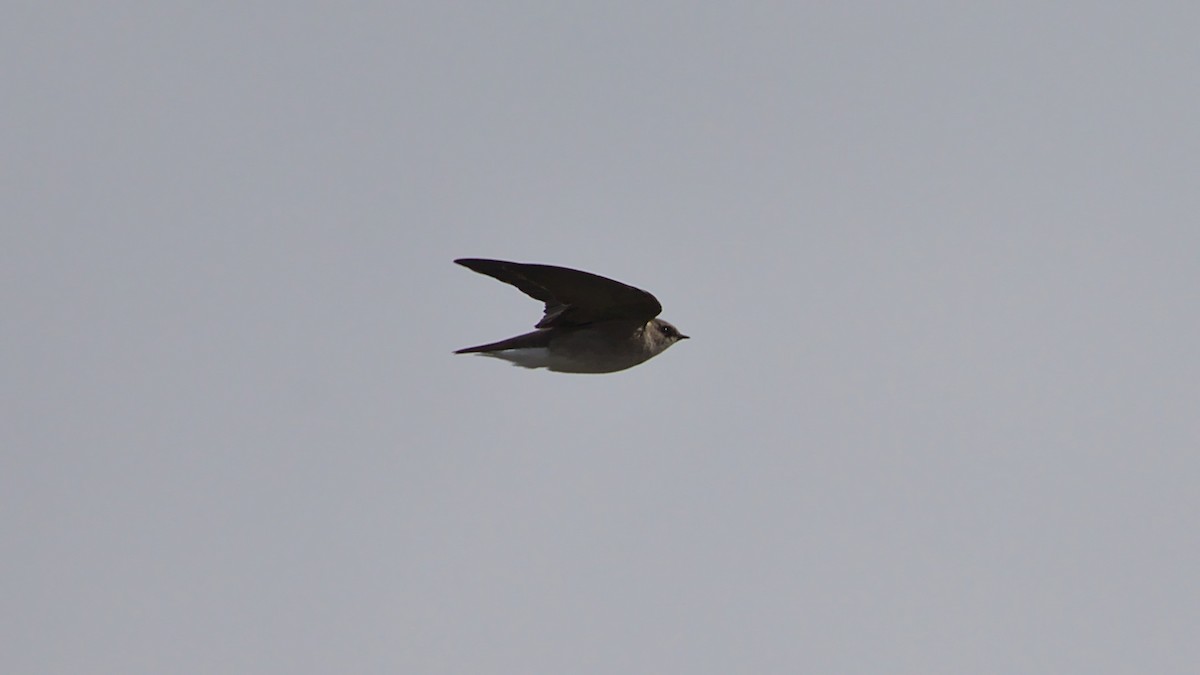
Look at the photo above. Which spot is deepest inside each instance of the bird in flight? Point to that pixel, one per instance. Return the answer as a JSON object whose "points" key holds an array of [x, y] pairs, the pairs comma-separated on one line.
{"points": [[591, 324]]}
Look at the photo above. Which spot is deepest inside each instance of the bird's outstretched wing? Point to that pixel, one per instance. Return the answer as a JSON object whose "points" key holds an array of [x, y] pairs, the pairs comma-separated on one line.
{"points": [[572, 297]]}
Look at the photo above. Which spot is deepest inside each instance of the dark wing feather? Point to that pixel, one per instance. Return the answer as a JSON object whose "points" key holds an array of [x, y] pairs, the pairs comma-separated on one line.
{"points": [[572, 298]]}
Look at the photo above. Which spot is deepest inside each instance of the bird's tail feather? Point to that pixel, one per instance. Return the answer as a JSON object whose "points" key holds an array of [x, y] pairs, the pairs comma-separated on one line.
{"points": [[538, 338]]}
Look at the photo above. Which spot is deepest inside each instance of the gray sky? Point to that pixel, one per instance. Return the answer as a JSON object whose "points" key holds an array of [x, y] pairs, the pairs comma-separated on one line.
{"points": [[939, 415]]}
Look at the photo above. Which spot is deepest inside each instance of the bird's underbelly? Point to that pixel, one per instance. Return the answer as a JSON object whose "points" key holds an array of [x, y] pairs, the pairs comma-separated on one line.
{"points": [[556, 360]]}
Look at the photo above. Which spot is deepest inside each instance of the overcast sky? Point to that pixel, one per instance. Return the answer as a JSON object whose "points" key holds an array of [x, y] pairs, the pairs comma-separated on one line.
{"points": [[939, 262]]}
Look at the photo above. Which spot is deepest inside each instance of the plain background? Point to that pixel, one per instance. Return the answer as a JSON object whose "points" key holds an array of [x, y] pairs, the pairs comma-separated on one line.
{"points": [[938, 415]]}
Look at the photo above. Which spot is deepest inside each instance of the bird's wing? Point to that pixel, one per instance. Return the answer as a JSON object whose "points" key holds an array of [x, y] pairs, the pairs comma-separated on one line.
{"points": [[572, 298]]}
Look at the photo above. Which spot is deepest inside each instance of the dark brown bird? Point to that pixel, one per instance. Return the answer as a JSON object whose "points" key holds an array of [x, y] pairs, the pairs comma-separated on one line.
{"points": [[591, 324]]}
